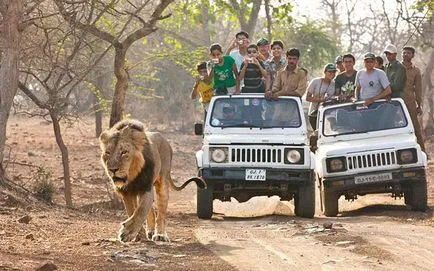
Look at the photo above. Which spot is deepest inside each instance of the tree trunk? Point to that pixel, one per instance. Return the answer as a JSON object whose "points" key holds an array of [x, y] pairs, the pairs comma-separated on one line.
{"points": [[120, 87], [12, 11], [269, 20], [65, 158], [98, 96], [98, 116]]}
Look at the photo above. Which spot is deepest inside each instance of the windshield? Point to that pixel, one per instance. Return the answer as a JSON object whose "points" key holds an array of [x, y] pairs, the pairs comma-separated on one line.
{"points": [[356, 118], [255, 112]]}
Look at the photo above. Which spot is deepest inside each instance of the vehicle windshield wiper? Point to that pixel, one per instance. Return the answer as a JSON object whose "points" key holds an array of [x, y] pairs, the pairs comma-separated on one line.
{"points": [[351, 133], [241, 125]]}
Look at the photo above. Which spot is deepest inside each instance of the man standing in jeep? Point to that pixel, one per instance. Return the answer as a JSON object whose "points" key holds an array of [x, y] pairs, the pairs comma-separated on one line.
{"points": [[290, 81], [412, 95], [371, 84], [395, 72]]}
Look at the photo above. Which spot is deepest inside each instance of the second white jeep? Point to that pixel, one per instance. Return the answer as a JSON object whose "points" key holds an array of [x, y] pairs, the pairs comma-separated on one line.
{"points": [[365, 150]]}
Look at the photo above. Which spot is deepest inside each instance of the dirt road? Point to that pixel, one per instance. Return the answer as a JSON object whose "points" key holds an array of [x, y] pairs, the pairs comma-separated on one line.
{"points": [[373, 233]]}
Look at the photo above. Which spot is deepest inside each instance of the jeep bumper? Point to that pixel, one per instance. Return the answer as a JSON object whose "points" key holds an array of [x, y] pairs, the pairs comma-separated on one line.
{"points": [[401, 178], [231, 182], [273, 175]]}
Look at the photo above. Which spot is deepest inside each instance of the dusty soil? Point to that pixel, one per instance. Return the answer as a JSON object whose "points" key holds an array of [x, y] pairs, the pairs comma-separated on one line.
{"points": [[374, 232]]}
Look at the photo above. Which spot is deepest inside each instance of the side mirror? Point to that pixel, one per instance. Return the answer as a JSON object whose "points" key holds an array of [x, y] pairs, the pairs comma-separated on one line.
{"points": [[198, 128]]}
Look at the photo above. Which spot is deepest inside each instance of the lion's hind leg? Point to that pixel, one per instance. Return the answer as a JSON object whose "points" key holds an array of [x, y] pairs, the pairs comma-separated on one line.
{"points": [[150, 224], [162, 191]]}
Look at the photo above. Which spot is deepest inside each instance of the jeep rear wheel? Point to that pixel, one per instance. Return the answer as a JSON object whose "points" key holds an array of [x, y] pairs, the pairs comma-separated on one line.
{"points": [[418, 198], [305, 201], [204, 202], [330, 201]]}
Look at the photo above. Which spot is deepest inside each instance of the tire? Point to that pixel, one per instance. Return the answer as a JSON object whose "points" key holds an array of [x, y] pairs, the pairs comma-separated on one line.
{"points": [[305, 201], [419, 196], [204, 203], [408, 197], [330, 202]]}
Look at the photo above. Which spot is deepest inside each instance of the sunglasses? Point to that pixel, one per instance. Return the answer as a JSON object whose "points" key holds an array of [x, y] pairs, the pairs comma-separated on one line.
{"points": [[252, 51]]}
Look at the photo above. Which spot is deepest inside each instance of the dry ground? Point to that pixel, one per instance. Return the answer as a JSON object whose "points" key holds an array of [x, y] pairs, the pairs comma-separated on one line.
{"points": [[372, 233]]}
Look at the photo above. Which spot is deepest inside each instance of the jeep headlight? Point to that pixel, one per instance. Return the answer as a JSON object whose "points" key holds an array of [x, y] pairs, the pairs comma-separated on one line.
{"points": [[406, 156], [336, 164], [294, 156], [219, 155]]}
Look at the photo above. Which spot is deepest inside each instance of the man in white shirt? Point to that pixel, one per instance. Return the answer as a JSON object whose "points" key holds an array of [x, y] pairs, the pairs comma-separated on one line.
{"points": [[371, 83], [241, 41]]}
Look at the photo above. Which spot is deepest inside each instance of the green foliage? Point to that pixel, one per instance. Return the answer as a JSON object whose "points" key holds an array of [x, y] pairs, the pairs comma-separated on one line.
{"points": [[43, 187], [316, 46], [425, 6], [281, 13], [102, 103]]}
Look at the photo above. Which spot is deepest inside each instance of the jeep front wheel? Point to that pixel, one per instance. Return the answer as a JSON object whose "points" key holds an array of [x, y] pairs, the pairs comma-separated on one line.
{"points": [[304, 201], [204, 202], [419, 196], [330, 201]]}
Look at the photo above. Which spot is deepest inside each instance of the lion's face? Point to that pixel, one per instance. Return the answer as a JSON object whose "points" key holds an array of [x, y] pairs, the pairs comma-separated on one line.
{"points": [[122, 154]]}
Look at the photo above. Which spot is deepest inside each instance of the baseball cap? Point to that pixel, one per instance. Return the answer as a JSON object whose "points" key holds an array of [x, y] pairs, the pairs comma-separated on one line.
{"points": [[262, 41], [330, 67], [369, 56], [390, 48], [338, 59]]}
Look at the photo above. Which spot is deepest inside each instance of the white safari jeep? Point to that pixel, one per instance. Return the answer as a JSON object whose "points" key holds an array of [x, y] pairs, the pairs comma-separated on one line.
{"points": [[365, 150], [254, 147]]}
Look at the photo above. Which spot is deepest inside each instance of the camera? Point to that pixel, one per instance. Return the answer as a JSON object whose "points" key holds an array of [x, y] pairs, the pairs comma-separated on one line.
{"points": [[240, 42], [250, 60], [201, 77], [215, 60]]}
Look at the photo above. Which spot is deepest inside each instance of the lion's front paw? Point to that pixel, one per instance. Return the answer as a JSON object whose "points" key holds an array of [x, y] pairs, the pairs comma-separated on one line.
{"points": [[160, 237], [128, 232], [150, 234]]}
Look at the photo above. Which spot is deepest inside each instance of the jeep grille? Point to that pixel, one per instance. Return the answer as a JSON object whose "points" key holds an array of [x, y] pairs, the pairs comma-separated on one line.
{"points": [[257, 155], [372, 160]]}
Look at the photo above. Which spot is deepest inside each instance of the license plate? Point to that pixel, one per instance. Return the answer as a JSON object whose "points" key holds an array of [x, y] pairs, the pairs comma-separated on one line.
{"points": [[256, 174], [373, 178]]}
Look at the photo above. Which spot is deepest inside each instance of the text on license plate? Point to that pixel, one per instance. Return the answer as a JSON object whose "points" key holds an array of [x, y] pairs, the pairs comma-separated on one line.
{"points": [[373, 178], [255, 174]]}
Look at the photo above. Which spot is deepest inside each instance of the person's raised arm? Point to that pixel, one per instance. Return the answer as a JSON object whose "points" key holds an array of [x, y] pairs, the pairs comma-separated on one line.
{"points": [[193, 93], [233, 45]]}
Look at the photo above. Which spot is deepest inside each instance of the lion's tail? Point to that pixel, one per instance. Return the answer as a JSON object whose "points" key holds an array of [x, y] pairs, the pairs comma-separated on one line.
{"points": [[198, 180]]}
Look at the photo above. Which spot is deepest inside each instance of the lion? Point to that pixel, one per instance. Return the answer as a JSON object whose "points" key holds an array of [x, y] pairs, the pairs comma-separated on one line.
{"points": [[137, 161]]}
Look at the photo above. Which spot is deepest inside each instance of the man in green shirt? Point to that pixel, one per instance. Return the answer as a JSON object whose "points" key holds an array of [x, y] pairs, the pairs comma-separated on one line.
{"points": [[395, 71]]}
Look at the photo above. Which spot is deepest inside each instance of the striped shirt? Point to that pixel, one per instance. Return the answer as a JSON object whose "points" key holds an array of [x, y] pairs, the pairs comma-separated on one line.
{"points": [[253, 82]]}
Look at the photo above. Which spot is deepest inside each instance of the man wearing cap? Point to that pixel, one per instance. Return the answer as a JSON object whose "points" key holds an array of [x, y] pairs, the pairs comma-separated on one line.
{"points": [[339, 63], [345, 82], [319, 90], [371, 84], [291, 80], [264, 49], [395, 71], [412, 95]]}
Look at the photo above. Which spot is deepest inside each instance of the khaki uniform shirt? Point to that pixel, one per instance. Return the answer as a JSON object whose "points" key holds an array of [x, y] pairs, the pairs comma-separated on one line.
{"points": [[413, 86], [290, 83], [396, 74]]}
